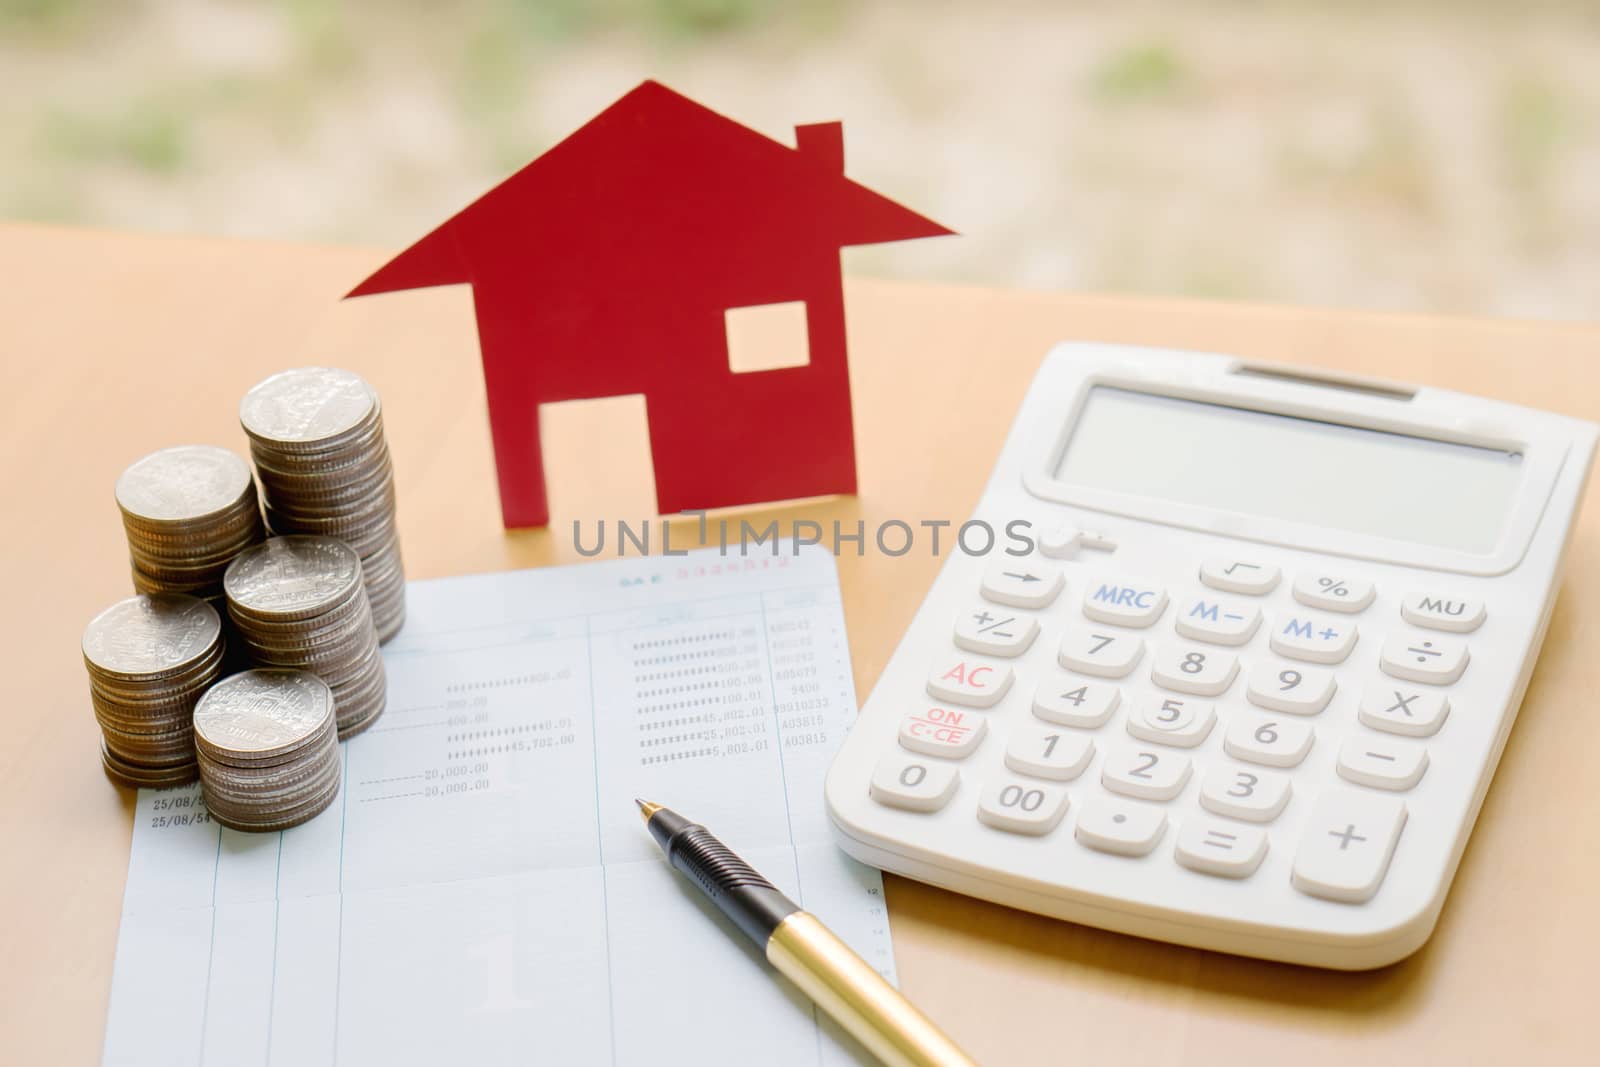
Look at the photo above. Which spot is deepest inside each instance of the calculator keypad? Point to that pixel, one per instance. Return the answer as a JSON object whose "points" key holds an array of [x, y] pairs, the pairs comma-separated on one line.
{"points": [[972, 683], [1217, 622], [1022, 807], [1178, 721], [1020, 584], [1125, 602], [1251, 577], [1069, 701], [1099, 651], [1247, 793], [1382, 763], [1432, 660], [953, 733], [1406, 710], [995, 631], [1290, 687], [1227, 849], [1435, 612], [1267, 730], [1146, 773], [1126, 828], [1313, 638], [1203, 672], [1040, 751], [1334, 592], [915, 784], [1348, 841], [1270, 742]]}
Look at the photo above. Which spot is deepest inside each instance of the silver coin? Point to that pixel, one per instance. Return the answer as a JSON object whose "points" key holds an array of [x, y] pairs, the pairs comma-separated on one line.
{"points": [[182, 484], [307, 405], [262, 713], [147, 636], [288, 576]]}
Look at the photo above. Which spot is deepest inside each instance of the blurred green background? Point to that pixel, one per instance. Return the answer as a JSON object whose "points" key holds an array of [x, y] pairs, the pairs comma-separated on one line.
{"points": [[1432, 155]]}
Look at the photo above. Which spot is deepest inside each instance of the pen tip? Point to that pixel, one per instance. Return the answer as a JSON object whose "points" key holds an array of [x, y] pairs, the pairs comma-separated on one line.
{"points": [[647, 808]]}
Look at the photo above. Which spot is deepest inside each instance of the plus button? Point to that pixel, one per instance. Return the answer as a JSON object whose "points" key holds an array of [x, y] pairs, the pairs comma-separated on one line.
{"points": [[1345, 836]]}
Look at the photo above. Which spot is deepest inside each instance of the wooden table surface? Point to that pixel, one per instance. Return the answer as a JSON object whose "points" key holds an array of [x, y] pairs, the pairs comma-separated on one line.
{"points": [[113, 345]]}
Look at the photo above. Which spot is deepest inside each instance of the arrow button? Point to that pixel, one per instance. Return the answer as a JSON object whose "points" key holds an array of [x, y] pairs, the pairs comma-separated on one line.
{"points": [[1021, 583]]}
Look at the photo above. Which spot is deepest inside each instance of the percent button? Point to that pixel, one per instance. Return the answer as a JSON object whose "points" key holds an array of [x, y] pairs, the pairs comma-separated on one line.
{"points": [[1333, 592]]}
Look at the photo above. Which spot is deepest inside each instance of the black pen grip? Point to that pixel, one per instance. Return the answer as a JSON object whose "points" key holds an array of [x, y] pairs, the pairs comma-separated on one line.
{"points": [[754, 904]]}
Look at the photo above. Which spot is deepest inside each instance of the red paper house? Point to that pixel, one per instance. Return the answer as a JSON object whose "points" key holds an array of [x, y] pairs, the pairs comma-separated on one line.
{"points": [[605, 267]]}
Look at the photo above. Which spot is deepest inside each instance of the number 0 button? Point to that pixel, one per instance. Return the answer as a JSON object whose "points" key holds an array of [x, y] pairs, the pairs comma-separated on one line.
{"points": [[913, 784]]}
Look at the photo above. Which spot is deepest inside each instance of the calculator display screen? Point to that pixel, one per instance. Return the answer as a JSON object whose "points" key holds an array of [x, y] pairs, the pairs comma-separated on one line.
{"points": [[1340, 477]]}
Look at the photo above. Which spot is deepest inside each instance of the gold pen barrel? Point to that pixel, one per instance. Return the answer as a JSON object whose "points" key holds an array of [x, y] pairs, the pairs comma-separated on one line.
{"points": [[857, 997]]}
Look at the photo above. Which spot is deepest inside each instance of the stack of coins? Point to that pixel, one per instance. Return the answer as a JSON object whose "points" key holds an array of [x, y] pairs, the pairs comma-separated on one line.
{"points": [[149, 658], [317, 438], [268, 749], [299, 602], [187, 511]]}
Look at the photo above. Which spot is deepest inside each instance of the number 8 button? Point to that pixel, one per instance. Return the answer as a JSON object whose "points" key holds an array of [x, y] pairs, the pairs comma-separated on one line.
{"points": [[1203, 672]]}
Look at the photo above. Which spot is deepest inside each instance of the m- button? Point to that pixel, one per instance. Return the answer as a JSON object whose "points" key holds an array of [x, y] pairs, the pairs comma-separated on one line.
{"points": [[1124, 602]]}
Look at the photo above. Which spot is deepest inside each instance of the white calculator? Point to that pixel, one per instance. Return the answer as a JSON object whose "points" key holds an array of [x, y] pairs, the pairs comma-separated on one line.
{"points": [[1240, 666]]}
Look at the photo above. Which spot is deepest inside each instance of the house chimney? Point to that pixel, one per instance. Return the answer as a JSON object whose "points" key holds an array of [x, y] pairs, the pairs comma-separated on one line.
{"points": [[823, 142]]}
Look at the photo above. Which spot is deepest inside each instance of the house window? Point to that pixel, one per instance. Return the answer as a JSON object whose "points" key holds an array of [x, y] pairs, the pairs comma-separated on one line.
{"points": [[767, 337]]}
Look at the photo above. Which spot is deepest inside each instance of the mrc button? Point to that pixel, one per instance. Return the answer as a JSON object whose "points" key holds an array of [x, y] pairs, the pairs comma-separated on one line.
{"points": [[1124, 602]]}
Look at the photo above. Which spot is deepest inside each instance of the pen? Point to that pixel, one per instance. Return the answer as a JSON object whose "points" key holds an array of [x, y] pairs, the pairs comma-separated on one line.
{"points": [[802, 949]]}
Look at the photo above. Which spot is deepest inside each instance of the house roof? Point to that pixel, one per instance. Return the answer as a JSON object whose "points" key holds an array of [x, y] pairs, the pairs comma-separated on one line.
{"points": [[617, 179]]}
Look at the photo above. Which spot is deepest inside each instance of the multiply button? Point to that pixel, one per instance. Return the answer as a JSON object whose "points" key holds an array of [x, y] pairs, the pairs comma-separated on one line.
{"points": [[970, 682], [1251, 577], [948, 732], [1432, 660], [1021, 584], [1333, 592], [1124, 602], [995, 631], [1403, 710], [1349, 840], [1312, 639], [1455, 614]]}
